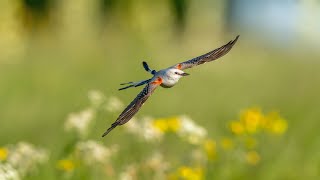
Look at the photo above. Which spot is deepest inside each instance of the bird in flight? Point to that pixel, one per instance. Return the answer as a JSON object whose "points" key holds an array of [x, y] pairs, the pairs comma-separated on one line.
{"points": [[166, 78]]}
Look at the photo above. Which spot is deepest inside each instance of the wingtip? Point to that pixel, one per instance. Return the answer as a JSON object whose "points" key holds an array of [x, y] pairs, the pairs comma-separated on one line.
{"points": [[113, 125], [107, 132], [234, 41], [237, 37], [104, 134]]}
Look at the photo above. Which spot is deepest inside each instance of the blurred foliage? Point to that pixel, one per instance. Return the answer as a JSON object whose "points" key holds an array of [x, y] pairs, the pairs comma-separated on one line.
{"points": [[36, 10], [36, 13], [107, 6], [37, 6], [180, 10]]}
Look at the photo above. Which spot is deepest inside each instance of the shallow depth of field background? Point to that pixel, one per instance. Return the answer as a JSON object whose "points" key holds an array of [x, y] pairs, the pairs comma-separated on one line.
{"points": [[52, 53]]}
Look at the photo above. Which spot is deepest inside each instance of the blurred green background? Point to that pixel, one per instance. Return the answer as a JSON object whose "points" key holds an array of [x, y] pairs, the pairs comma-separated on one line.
{"points": [[53, 52]]}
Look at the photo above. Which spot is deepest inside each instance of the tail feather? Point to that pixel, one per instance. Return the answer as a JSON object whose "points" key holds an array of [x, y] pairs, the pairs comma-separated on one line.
{"points": [[134, 84], [142, 82], [126, 83], [126, 87]]}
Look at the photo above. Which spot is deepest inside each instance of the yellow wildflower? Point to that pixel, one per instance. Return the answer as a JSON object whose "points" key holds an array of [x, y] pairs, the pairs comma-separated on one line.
{"points": [[227, 143], [252, 158], [279, 126], [160, 124], [210, 148], [190, 173], [276, 124], [66, 165], [237, 127], [252, 118], [3, 153], [174, 124], [170, 124]]}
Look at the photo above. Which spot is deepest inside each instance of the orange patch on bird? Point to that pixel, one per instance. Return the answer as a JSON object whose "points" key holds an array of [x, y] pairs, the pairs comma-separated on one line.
{"points": [[157, 81], [179, 66]]}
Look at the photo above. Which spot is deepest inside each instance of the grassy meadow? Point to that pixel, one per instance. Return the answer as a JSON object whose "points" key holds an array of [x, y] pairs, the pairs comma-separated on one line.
{"points": [[253, 114]]}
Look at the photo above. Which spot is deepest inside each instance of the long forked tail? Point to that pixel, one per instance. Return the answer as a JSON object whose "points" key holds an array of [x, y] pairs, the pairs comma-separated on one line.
{"points": [[134, 84]]}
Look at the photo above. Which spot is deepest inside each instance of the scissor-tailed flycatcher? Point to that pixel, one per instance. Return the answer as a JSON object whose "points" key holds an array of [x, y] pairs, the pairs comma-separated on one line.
{"points": [[166, 78]]}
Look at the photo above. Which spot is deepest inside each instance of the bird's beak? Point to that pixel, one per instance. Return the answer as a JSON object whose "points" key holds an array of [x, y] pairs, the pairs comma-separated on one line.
{"points": [[185, 74]]}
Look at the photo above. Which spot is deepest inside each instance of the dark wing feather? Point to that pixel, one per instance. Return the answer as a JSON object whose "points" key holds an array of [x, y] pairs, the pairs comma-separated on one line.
{"points": [[134, 106], [210, 56]]}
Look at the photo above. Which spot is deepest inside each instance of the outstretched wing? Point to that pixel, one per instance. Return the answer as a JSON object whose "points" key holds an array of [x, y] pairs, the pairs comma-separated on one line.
{"points": [[210, 56], [135, 105]]}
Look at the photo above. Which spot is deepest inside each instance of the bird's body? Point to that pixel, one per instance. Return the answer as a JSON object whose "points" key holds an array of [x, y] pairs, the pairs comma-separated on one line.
{"points": [[169, 78], [166, 78]]}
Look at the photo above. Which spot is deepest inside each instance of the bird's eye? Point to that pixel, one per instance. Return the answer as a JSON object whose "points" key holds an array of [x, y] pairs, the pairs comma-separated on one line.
{"points": [[176, 72]]}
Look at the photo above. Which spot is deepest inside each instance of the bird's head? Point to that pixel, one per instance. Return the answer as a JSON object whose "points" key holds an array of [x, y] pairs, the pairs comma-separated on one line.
{"points": [[177, 73]]}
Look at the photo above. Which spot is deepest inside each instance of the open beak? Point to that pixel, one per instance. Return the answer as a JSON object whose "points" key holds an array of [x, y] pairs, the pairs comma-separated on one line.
{"points": [[185, 74]]}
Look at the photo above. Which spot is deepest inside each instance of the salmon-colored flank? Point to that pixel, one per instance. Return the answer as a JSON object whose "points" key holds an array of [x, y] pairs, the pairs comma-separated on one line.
{"points": [[158, 81], [179, 66]]}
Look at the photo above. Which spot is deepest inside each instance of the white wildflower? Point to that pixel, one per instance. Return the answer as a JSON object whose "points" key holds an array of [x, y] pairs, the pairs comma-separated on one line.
{"points": [[114, 104], [96, 98], [133, 126], [144, 129], [7, 172], [25, 157], [130, 173], [150, 133], [157, 163], [192, 132], [79, 122], [93, 152]]}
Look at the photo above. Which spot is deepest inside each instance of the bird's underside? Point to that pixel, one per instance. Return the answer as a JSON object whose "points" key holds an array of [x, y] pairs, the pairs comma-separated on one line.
{"points": [[166, 78]]}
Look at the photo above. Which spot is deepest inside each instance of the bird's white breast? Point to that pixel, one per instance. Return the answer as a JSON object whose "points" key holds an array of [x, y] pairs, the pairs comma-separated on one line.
{"points": [[168, 80]]}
